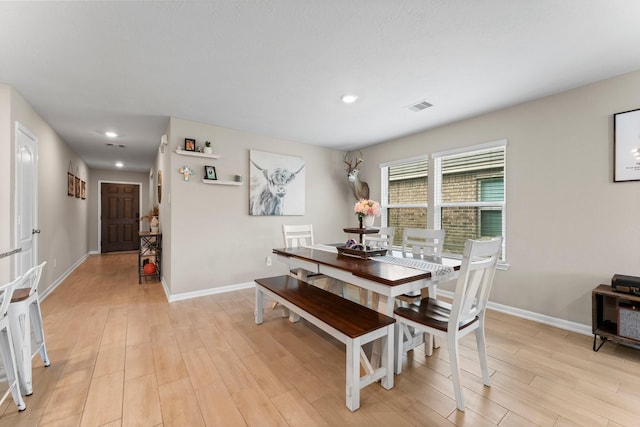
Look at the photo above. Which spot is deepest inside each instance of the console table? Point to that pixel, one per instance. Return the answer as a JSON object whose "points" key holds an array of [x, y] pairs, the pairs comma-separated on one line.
{"points": [[616, 317], [149, 251]]}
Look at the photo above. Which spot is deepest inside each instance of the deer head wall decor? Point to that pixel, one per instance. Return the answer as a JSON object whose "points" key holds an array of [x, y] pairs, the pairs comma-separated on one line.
{"points": [[359, 188]]}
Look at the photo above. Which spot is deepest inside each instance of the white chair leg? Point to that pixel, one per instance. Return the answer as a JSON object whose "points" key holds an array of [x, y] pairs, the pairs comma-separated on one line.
{"points": [[482, 354], [7, 351], [428, 344], [452, 341], [20, 324], [38, 331]]}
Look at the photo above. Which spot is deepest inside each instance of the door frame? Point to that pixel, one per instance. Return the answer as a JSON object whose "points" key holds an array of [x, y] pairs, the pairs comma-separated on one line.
{"points": [[19, 127], [110, 181]]}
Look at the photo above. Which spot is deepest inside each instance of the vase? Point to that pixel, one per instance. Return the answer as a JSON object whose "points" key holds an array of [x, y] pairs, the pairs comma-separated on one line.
{"points": [[368, 221], [208, 150], [360, 222], [154, 224]]}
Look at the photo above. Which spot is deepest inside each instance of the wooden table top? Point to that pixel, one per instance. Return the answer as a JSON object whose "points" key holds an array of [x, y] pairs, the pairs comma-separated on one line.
{"points": [[380, 272]]}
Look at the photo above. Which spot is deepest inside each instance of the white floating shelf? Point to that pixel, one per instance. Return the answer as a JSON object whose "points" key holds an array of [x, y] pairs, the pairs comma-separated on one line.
{"points": [[196, 154], [219, 182]]}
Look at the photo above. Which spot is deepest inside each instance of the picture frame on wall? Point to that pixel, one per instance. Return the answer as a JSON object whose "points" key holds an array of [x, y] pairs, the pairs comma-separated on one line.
{"points": [[210, 172], [269, 170], [83, 190], [626, 146], [77, 187], [189, 144], [70, 184]]}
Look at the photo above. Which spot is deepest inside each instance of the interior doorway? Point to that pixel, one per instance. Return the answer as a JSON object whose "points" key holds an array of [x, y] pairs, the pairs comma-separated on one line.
{"points": [[26, 200], [119, 216]]}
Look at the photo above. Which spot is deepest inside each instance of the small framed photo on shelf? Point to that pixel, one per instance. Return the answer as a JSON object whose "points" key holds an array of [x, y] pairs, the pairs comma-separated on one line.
{"points": [[189, 144], [210, 172]]}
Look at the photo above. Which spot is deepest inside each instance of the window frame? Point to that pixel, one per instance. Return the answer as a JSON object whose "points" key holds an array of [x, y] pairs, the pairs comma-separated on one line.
{"points": [[438, 204], [384, 188]]}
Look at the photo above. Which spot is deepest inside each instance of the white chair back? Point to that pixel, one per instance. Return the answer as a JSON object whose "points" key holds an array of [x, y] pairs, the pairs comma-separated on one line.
{"points": [[6, 291], [383, 239], [422, 242], [480, 258], [32, 278], [297, 235]]}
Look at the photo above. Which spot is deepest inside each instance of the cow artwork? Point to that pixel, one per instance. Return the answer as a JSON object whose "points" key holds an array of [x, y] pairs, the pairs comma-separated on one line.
{"points": [[277, 184]]}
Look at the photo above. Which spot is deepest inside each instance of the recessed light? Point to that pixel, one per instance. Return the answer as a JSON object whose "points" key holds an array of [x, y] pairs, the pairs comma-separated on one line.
{"points": [[111, 134], [119, 164], [349, 99]]}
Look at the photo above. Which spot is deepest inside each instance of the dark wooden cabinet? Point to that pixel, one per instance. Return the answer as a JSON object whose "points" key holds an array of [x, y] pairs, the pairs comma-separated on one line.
{"points": [[616, 317], [149, 251]]}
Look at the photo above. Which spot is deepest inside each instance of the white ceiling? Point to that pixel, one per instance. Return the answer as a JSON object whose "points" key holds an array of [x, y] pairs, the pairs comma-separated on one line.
{"points": [[279, 67]]}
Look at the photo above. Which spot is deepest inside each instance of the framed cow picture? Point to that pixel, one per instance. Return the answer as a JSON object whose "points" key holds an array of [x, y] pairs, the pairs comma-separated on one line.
{"points": [[277, 184]]}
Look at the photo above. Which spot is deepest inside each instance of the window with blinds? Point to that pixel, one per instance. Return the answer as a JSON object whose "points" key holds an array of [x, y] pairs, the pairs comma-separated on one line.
{"points": [[404, 195], [470, 195]]}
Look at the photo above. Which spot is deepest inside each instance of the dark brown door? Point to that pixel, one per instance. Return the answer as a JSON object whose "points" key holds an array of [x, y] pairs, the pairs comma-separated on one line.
{"points": [[120, 217]]}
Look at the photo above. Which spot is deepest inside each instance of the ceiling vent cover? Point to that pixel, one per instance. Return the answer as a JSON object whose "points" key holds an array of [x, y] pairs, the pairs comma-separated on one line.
{"points": [[422, 105]]}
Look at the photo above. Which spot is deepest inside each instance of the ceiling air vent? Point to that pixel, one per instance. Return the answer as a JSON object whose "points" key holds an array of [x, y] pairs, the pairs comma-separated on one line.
{"points": [[422, 105]]}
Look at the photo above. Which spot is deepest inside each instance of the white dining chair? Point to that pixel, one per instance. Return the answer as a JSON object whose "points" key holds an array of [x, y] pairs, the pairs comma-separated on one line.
{"points": [[25, 317], [7, 352], [464, 315], [302, 236], [297, 235], [423, 244], [383, 239]]}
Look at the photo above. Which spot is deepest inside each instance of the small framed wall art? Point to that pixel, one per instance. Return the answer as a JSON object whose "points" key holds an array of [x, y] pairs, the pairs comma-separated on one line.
{"points": [[71, 191], [189, 144], [626, 146], [210, 172]]}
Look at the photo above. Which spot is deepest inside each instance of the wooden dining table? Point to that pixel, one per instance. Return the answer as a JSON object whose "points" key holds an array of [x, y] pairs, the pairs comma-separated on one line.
{"points": [[387, 280]]}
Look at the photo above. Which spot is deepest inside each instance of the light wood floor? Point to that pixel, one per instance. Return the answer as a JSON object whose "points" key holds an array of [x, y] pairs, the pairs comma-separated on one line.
{"points": [[122, 356]]}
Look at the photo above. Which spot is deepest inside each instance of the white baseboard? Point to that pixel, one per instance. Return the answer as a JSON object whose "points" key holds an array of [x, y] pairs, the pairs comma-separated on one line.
{"points": [[60, 279], [205, 292], [578, 328]]}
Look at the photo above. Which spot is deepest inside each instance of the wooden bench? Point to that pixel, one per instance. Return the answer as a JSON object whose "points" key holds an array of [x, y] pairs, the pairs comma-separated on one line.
{"points": [[353, 324]]}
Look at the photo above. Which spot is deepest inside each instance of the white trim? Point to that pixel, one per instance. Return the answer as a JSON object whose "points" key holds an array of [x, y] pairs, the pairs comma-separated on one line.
{"points": [[205, 292], [99, 191], [477, 147], [567, 325], [401, 161]]}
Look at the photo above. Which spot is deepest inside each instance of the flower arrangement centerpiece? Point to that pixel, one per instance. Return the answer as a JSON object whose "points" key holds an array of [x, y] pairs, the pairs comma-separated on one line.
{"points": [[366, 208]]}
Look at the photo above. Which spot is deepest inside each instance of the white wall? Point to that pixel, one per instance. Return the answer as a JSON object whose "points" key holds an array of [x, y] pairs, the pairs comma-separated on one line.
{"points": [[6, 172], [62, 219], [213, 240], [569, 227]]}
